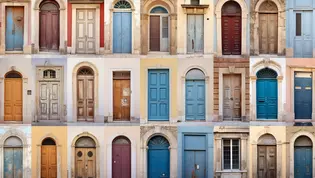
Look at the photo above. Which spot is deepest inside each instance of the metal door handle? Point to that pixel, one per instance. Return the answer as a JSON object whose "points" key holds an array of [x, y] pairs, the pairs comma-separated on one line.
{"points": [[193, 44]]}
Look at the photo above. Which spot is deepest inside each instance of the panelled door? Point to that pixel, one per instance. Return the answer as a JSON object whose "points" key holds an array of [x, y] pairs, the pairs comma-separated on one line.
{"points": [[194, 33], [303, 95], [85, 164], [13, 99], [303, 38], [158, 94], [121, 90], [49, 26], [232, 96], [303, 164], [48, 161], [195, 100], [121, 158], [49, 100], [14, 28], [85, 31], [122, 32], [267, 161], [85, 95], [268, 33], [13, 162], [231, 28]]}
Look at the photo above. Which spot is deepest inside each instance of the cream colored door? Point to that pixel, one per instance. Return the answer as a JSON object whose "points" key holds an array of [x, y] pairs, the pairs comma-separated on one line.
{"points": [[232, 97], [85, 31], [49, 100], [85, 163]]}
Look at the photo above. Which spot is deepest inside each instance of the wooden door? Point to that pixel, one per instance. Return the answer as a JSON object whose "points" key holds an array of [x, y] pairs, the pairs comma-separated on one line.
{"points": [[267, 161], [13, 162], [121, 160], [303, 162], [13, 99], [49, 26], [85, 163], [303, 95], [48, 161], [268, 33], [122, 33], [303, 39], [14, 28], [195, 100], [85, 98], [85, 31], [121, 98], [232, 96], [49, 100], [154, 33], [195, 33]]}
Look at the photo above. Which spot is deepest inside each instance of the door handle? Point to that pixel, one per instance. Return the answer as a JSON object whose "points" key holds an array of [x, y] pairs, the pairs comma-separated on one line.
{"points": [[192, 44]]}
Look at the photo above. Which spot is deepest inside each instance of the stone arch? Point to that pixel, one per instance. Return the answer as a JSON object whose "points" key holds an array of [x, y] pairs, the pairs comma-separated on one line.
{"points": [[195, 67], [220, 4], [166, 133], [302, 133], [265, 137], [14, 133], [266, 63], [129, 1], [87, 64], [260, 2], [167, 4], [85, 134], [49, 135], [61, 4], [14, 69]]}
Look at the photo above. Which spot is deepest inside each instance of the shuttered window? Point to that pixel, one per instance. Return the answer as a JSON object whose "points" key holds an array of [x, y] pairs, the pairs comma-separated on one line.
{"points": [[231, 154]]}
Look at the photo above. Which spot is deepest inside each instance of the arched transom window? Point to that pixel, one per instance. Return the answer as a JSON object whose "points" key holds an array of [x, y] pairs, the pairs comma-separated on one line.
{"points": [[122, 5]]}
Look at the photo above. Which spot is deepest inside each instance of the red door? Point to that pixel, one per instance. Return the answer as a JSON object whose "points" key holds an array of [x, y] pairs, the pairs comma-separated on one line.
{"points": [[121, 158], [49, 26], [231, 28]]}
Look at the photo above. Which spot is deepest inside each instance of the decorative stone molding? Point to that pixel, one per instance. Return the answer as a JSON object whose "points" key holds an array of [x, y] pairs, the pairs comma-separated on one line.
{"points": [[195, 9]]}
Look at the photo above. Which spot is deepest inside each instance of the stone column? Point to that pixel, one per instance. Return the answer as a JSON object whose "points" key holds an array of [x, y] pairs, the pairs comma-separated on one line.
{"points": [[144, 34], [173, 34]]}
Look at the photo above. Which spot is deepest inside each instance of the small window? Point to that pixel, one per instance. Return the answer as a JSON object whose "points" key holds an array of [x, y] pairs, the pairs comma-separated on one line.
{"points": [[231, 154], [298, 24], [194, 2], [49, 74], [122, 5], [164, 27]]}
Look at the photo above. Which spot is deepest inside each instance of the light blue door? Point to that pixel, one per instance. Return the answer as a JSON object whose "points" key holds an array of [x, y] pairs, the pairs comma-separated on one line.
{"points": [[303, 164], [13, 161], [122, 32], [158, 158], [195, 99], [158, 94], [14, 28], [303, 42], [303, 95]]}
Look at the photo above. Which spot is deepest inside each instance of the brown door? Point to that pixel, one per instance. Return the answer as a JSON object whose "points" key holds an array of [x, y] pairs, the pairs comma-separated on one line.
{"points": [[85, 163], [121, 89], [85, 95], [267, 162], [13, 99], [232, 96], [231, 28], [121, 158], [49, 161], [154, 33], [49, 26], [268, 33]]}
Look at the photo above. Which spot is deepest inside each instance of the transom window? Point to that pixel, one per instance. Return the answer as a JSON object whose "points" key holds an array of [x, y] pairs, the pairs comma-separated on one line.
{"points": [[158, 10], [122, 5], [49, 73], [267, 73], [195, 74], [13, 142], [85, 142], [121, 141], [48, 141], [231, 154], [85, 71], [13, 74]]}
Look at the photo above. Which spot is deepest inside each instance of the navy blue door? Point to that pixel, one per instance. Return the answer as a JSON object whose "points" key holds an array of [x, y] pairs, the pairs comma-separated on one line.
{"points": [[14, 28], [303, 34], [303, 95], [122, 32], [158, 94], [303, 165], [158, 158], [195, 99]]}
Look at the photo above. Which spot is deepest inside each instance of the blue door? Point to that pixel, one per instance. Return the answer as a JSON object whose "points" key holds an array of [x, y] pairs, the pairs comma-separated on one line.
{"points": [[158, 94], [158, 158], [303, 95], [303, 165], [195, 100], [14, 28], [122, 32], [13, 161], [303, 42]]}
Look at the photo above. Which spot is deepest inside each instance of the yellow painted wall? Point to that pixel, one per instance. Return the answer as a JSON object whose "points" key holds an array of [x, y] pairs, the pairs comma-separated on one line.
{"points": [[39, 133], [162, 63]]}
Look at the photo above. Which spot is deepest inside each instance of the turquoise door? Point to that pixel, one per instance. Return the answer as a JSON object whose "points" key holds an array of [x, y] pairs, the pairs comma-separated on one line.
{"points": [[13, 161], [122, 32], [267, 94], [158, 94], [158, 158], [303, 95], [303, 164], [303, 39], [14, 28]]}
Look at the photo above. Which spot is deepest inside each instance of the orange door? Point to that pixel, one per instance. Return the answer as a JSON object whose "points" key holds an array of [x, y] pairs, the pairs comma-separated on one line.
{"points": [[121, 100], [49, 161], [13, 99]]}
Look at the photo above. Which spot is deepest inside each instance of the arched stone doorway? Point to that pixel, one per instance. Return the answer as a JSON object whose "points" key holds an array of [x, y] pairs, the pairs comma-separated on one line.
{"points": [[13, 157], [121, 157], [267, 156], [303, 157], [85, 157], [48, 158]]}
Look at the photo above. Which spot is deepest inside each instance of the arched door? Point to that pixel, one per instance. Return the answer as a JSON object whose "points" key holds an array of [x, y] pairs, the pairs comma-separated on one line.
{"points": [[267, 94], [122, 26], [231, 28], [268, 28], [48, 159], [158, 158], [195, 95], [85, 94], [13, 97], [121, 158], [267, 157], [85, 164], [13, 158], [49, 26], [303, 157]]}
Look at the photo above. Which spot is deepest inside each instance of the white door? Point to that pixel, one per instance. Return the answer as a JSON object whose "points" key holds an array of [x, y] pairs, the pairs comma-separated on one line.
{"points": [[85, 31]]}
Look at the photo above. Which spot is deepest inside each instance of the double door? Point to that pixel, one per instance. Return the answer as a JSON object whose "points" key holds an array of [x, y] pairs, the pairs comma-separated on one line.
{"points": [[122, 32], [267, 161], [85, 31], [14, 28], [195, 164], [195, 33], [13, 99], [268, 33], [231, 35], [85, 98], [49, 100], [232, 96], [195, 100], [303, 37], [13, 163], [121, 99], [85, 163], [303, 95], [267, 99], [303, 164], [48, 161]]}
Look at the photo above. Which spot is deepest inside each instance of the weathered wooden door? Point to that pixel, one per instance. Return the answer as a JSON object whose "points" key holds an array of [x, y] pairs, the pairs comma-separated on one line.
{"points": [[154, 33], [121, 89], [303, 95], [267, 161], [14, 28], [49, 26], [232, 96], [268, 33], [194, 33], [231, 28], [303, 162], [85, 163], [85, 31], [121, 158], [122, 32], [158, 94], [85, 94], [48, 161], [303, 40], [13, 162], [49, 100], [158, 158], [13, 98]]}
